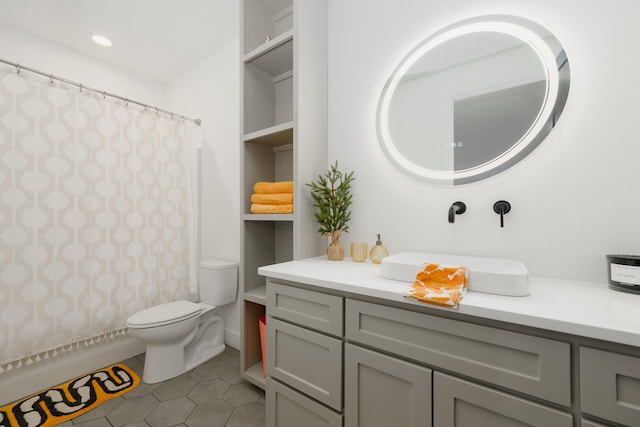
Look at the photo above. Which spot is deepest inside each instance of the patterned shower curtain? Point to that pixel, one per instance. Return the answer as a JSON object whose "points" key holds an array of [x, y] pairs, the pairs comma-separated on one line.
{"points": [[93, 215]]}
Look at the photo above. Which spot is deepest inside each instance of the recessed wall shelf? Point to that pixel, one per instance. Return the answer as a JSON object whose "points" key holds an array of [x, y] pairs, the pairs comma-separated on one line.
{"points": [[255, 374], [268, 217], [257, 295], [273, 57], [278, 95], [274, 136]]}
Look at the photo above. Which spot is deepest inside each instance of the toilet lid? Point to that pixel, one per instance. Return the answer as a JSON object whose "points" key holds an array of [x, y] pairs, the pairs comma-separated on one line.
{"points": [[163, 314]]}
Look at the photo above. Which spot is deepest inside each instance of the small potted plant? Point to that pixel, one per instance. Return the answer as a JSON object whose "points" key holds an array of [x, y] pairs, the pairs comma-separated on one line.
{"points": [[332, 196]]}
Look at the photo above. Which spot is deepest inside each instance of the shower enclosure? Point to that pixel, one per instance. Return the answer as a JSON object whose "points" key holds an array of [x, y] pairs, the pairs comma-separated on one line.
{"points": [[96, 211]]}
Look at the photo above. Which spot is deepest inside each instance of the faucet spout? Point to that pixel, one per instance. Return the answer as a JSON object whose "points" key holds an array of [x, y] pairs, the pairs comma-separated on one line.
{"points": [[456, 208], [502, 207]]}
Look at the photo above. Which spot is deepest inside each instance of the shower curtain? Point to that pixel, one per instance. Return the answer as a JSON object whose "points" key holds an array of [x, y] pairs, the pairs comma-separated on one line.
{"points": [[96, 206]]}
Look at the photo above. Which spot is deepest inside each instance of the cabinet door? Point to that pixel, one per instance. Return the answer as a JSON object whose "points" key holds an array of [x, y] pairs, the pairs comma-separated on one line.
{"points": [[610, 386], [305, 360], [382, 391], [287, 408], [459, 403]]}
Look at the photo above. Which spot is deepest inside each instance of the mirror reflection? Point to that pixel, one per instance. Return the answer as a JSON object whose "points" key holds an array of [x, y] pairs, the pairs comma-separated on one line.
{"points": [[473, 99]]}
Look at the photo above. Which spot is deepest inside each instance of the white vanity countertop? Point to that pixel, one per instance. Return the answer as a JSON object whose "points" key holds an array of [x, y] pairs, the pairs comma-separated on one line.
{"points": [[580, 308]]}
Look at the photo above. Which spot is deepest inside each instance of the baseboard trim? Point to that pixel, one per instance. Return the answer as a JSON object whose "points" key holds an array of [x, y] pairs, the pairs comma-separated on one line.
{"points": [[232, 338], [26, 380]]}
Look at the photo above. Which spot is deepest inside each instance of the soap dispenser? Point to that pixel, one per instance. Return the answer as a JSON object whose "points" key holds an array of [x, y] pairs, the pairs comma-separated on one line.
{"points": [[378, 251]]}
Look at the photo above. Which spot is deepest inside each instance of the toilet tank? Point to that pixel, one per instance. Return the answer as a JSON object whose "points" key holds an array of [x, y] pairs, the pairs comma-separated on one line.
{"points": [[218, 282]]}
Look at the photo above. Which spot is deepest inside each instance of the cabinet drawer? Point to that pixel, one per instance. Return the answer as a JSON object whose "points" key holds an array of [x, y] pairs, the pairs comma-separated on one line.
{"points": [[610, 386], [461, 403], [287, 408], [313, 310], [305, 360], [535, 366]]}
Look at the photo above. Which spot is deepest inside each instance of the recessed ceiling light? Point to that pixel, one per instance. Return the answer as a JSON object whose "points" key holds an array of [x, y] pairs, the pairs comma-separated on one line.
{"points": [[101, 40]]}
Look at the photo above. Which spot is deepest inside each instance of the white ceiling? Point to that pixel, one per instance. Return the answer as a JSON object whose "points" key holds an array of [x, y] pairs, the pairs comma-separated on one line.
{"points": [[157, 39]]}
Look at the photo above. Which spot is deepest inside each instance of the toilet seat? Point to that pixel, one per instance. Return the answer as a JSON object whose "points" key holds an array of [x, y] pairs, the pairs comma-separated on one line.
{"points": [[164, 314]]}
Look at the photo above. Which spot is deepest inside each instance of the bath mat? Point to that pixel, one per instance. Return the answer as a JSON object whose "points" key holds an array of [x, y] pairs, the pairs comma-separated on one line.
{"points": [[69, 400]]}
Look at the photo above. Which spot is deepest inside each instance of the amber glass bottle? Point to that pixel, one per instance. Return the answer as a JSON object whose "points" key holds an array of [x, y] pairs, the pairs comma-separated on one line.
{"points": [[378, 251]]}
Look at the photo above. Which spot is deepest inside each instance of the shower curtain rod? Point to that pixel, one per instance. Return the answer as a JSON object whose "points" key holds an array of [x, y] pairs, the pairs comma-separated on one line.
{"points": [[104, 94]]}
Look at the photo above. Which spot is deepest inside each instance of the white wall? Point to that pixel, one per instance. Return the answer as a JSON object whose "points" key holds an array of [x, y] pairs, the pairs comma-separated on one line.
{"points": [[31, 51], [210, 91], [573, 199]]}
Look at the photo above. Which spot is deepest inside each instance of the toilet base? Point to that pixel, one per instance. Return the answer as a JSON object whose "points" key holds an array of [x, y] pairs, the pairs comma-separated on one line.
{"points": [[163, 362]]}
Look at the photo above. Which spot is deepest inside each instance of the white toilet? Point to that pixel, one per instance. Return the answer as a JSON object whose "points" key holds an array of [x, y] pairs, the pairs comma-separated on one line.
{"points": [[181, 335]]}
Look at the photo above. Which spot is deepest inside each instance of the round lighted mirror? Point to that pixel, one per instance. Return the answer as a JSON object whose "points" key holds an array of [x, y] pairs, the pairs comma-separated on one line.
{"points": [[473, 99]]}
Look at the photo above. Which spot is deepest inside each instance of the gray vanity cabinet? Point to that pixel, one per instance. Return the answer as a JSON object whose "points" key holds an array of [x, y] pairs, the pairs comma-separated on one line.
{"points": [[610, 386], [288, 408], [304, 342], [535, 366], [305, 360], [532, 365], [588, 423], [338, 360], [383, 391], [460, 403], [304, 357], [312, 310]]}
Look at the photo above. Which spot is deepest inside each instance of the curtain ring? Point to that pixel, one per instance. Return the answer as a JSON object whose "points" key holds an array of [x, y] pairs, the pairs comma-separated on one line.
{"points": [[51, 79], [104, 95], [17, 68], [126, 102], [80, 87]]}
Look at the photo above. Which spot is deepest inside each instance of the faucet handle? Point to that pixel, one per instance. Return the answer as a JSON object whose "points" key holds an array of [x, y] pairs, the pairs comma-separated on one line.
{"points": [[456, 208], [502, 207]]}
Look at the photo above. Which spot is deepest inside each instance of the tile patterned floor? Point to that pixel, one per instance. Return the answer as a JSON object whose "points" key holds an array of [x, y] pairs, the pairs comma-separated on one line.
{"points": [[211, 395]]}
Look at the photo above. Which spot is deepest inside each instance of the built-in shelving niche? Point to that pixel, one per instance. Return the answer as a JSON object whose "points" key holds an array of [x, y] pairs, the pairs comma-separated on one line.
{"points": [[275, 148]]}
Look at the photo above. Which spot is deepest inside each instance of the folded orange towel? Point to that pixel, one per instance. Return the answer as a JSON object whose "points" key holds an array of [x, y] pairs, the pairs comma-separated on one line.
{"points": [[258, 208], [272, 199], [440, 285], [273, 187]]}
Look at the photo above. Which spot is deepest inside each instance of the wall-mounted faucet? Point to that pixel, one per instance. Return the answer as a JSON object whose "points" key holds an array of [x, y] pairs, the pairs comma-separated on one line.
{"points": [[456, 209], [502, 207]]}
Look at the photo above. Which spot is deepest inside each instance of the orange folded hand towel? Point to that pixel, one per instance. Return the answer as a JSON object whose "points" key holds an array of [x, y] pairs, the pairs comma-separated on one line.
{"points": [[272, 199], [273, 187], [258, 208], [440, 285]]}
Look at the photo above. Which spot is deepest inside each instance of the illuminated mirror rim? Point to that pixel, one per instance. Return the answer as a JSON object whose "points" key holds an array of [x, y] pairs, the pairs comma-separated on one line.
{"points": [[526, 31]]}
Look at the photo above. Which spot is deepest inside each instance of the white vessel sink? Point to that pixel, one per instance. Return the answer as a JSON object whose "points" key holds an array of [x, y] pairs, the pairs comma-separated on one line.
{"points": [[488, 275]]}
